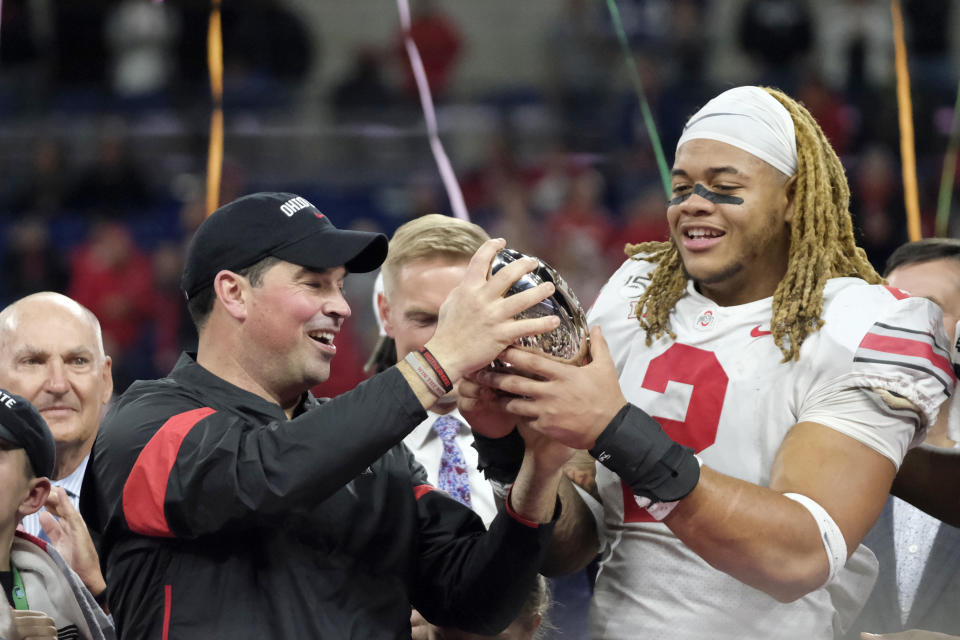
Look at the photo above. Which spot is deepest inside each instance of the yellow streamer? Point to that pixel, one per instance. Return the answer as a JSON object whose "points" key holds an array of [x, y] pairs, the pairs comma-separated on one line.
{"points": [[215, 64], [911, 196]]}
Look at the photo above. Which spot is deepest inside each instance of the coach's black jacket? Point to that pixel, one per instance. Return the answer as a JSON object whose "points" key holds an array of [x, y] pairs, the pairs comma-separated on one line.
{"points": [[220, 518]]}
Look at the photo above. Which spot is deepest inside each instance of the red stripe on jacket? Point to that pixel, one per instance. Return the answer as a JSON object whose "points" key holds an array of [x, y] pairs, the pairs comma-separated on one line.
{"points": [[421, 490], [146, 486], [167, 607], [907, 347]]}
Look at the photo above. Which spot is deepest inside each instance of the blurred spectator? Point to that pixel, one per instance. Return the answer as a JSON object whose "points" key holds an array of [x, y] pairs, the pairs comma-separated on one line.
{"points": [[928, 42], [836, 117], [515, 222], [551, 180], [877, 205], [778, 34], [30, 263], [688, 46], [113, 278], [439, 42], [43, 190], [582, 216], [483, 185], [170, 325], [646, 218], [114, 186], [580, 66], [25, 54], [79, 52], [267, 53], [142, 37], [363, 93], [855, 51]]}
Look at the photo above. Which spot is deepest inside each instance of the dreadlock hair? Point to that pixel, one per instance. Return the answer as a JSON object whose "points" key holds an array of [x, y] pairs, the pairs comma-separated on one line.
{"points": [[822, 246]]}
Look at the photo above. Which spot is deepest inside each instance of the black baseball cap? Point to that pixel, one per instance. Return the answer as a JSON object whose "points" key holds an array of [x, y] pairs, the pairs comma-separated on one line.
{"points": [[282, 225], [23, 426]]}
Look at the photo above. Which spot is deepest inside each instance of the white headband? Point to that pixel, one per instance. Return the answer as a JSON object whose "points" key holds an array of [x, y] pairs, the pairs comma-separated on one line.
{"points": [[751, 119]]}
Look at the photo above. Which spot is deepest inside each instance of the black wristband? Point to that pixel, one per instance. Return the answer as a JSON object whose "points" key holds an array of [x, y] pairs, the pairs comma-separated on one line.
{"points": [[499, 458], [635, 448], [101, 598]]}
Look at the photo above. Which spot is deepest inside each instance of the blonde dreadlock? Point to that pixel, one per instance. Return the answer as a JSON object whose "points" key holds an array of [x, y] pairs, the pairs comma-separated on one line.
{"points": [[822, 246]]}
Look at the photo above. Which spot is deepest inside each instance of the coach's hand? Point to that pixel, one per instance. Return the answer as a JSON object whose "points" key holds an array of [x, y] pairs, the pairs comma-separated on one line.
{"points": [[476, 323]]}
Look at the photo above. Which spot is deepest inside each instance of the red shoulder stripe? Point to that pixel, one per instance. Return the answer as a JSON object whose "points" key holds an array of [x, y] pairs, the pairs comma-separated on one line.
{"points": [[907, 347], [899, 294], [146, 486], [421, 490]]}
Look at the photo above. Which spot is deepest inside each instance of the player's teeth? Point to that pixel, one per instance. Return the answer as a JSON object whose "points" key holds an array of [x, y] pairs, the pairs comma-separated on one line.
{"points": [[702, 233]]}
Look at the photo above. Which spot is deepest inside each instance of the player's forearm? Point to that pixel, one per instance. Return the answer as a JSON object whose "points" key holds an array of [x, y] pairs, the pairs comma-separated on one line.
{"points": [[752, 533], [575, 542], [534, 493]]}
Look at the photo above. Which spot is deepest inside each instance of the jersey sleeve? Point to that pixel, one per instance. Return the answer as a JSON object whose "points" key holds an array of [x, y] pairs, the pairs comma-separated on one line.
{"points": [[885, 384]]}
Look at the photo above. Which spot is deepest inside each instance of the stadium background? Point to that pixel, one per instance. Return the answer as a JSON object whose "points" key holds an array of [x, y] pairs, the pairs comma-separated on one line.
{"points": [[105, 111]]}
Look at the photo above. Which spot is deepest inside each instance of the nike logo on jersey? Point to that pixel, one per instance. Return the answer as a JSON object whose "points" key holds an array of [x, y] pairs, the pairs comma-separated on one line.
{"points": [[757, 333]]}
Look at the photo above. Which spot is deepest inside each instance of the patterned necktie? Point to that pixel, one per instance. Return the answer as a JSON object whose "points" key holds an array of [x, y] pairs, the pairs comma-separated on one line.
{"points": [[453, 466]]}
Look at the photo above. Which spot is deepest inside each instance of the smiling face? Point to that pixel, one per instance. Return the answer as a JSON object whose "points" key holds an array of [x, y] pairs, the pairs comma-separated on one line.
{"points": [[736, 252], [52, 356], [291, 320]]}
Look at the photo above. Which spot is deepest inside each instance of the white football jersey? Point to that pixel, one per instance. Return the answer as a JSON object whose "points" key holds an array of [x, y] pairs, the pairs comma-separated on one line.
{"points": [[722, 389]]}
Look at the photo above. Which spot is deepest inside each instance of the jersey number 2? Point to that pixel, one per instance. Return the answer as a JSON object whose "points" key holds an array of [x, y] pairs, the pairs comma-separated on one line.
{"points": [[702, 371]]}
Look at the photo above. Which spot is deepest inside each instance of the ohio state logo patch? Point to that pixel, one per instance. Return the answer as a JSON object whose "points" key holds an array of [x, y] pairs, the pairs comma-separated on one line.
{"points": [[705, 320]]}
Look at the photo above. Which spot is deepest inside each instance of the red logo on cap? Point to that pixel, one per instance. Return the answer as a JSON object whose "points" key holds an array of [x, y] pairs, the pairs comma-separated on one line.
{"points": [[318, 214]]}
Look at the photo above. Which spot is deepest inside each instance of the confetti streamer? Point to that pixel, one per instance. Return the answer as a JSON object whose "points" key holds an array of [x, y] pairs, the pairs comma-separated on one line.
{"points": [[949, 171], [905, 108], [430, 117], [641, 95], [215, 151]]}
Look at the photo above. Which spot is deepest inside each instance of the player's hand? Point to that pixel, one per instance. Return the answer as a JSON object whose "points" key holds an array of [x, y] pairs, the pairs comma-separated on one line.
{"points": [[476, 323], [33, 625], [568, 403], [582, 471], [419, 627], [911, 634], [69, 535], [483, 409], [547, 453]]}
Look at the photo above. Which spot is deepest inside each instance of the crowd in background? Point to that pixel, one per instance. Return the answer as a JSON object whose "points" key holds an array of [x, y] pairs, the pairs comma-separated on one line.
{"points": [[107, 105]]}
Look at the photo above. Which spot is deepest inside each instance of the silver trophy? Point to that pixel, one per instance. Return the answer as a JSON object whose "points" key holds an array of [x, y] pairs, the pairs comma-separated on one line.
{"points": [[569, 342]]}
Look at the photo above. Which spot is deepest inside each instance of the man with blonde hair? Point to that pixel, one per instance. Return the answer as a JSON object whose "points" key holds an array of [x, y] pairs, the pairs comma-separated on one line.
{"points": [[427, 258]]}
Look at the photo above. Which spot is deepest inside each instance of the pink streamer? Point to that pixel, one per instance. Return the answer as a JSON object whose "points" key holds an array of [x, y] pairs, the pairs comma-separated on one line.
{"points": [[426, 100]]}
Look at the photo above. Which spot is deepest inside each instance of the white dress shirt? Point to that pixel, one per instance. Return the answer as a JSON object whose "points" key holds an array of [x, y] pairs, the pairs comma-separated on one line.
{"points": [[428, 448], [71, 484]]}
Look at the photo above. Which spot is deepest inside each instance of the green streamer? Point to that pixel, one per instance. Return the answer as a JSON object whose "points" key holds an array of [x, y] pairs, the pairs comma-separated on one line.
{"points": [[644, 106], [949, 170]]}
